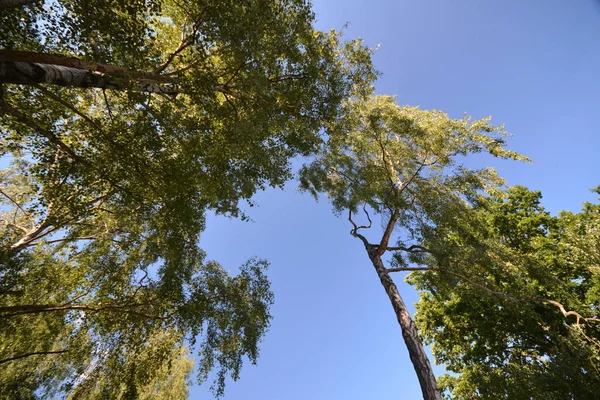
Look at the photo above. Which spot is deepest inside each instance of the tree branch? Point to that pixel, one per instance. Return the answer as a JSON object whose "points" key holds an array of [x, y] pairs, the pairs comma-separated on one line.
{"points": [[9, 292], [67, 105], [13, 225], [28, 73], [237, 71], [31, 354], [185, 43], [389, 169], [19, 116], [66, 239], [232, 106], [108, 106], [11, 311], [354, 231], [6, 4], [19, 207], [385, 239], [30, 236], [555, 303], [182, 69], [415, 248], [288, 78]]}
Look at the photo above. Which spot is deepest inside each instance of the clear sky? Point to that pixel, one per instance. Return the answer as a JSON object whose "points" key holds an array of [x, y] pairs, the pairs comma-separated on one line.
{"points": [[533, 65]]}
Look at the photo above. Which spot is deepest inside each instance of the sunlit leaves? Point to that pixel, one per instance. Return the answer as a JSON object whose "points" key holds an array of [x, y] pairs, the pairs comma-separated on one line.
{"points": [[105, 201], [512, 344]]}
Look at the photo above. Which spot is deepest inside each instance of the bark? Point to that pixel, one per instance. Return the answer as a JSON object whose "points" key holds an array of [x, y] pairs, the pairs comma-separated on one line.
{"points": [[72, 62], [29, 237], [416, 351], [6, 4], [27, 73], [410, 333]]}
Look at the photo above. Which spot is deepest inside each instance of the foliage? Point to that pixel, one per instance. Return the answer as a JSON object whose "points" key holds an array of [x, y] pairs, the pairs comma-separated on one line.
{"points": [[402, 163], [139, 381], [203, 104], [509, 294], [402, 158], [492, 308]]}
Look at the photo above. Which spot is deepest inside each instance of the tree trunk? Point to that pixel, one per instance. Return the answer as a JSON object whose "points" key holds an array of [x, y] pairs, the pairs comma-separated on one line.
{"points": [[410, 333], [73, 62], [27, 73]]}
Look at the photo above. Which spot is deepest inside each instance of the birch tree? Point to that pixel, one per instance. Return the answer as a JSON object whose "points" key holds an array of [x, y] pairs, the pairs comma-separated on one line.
{"points": [[402, 164], [124, 123]]}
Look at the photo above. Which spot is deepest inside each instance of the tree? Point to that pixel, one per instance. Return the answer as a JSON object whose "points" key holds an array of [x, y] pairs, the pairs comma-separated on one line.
{"points": [[124, 122], [401, 164], [510, 300], [170, 381]]}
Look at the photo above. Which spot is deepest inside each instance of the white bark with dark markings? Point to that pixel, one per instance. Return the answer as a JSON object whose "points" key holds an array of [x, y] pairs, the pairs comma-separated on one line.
{"points": [[27, 73]]}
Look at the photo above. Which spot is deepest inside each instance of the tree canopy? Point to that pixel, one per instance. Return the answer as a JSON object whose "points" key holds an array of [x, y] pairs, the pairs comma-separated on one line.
{"points": [[402, 163], [509, 293], [510, 301], [123, 123]]}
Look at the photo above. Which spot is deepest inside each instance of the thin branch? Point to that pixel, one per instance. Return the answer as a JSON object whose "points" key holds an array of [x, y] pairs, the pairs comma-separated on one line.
{"points": [[354, 231], [288, 77], [412, 178], [357, 228], [66, 104], [11, 311], [232, 105], [108, 106], [13, 224], [415, 248], [67, 239], [14, 202], [389, 168], [237, 71], [9, 292], [48, 135], [31, 354], [137, 289], [368, 217], [226, 88], [183, 69], [85, 293], [185, 43], [555, 303]]}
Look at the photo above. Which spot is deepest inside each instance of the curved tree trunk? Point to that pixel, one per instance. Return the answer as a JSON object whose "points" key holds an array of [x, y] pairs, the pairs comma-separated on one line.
{"points": [[410, 333]]}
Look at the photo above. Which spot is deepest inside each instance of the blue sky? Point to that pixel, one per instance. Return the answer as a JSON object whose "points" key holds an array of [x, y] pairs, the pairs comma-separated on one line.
{"points": [[533, 65]]}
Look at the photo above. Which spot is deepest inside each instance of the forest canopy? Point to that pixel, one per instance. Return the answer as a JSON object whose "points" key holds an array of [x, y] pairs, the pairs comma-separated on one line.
{"points": [[122, 124]]}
